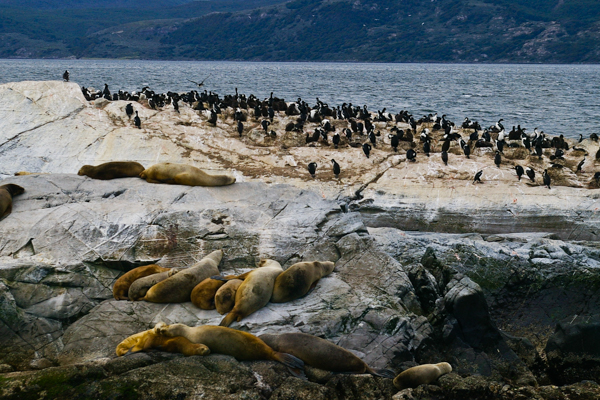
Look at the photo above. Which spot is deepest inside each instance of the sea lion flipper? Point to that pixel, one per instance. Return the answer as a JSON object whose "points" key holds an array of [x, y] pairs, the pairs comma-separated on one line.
{"points": [[229, 318], [293, 364]]}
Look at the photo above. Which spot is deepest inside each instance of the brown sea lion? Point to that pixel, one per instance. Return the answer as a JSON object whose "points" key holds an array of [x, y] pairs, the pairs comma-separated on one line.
{"points": [[255, 292], [139, 288], [182, 174], [150, 339], [221, 340], [203, 295], [7, 192], [178, 287], [299, 279], [321, 353], [121, 286], [112, 170], [421, 375], [225, 296]]}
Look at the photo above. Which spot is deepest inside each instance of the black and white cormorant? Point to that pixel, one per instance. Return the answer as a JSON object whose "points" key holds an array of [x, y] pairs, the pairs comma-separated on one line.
{"points": [[312, 168], [519, 170], [137, 121], [497, 159], [366, 149], [336, 168], [411, 155], [546, 178], [530, 173], [478, 177]]}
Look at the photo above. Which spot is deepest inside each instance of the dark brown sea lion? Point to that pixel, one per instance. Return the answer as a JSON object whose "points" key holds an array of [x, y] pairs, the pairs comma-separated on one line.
{"points": [[321, 353], [7, 192], [112, 170]]}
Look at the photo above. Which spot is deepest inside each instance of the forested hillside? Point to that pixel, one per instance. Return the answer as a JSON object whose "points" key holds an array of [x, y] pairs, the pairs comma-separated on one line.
{"points": [[565, 31]]}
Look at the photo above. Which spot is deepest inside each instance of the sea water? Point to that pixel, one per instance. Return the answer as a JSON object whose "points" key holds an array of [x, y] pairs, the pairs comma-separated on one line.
{"points": [[558, 99]]}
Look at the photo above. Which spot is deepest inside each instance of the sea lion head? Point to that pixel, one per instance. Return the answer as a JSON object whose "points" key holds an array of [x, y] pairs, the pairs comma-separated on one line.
{"points": [[13, 189], [85, 170]]}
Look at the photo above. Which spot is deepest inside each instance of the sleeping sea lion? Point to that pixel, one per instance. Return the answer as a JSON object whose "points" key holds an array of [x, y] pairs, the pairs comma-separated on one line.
{"points": [[299, 279], [121, 286], [421, 374], [221, 340], [182, 174], [178, 287], [321, 353], [140, 287], [150, 339], [255, 292], [112, 170], [225, 296], [7, 192], [203, 295]]}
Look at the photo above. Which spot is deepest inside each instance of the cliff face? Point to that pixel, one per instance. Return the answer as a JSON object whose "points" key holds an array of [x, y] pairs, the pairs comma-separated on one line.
{"points": [[396, 297]]}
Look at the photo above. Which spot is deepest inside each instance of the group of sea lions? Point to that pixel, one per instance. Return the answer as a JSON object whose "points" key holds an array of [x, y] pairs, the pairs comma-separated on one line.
{"points": [[240, 296], [235, 295], [179, 174]]}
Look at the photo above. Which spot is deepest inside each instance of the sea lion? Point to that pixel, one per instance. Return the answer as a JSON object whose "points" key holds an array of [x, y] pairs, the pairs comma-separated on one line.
{"points": [[7, 192], [178, 287], [299, 279], [182, 174], [121, 286], [255, 292], [140, 287], [112, 170], [150, 339], [221, 340], [421, 374], [321, 353], [203, 295], [225, 296]]}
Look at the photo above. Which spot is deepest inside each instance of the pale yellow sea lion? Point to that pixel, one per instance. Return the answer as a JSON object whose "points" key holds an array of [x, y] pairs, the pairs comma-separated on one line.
{"points": [[183, 174]]}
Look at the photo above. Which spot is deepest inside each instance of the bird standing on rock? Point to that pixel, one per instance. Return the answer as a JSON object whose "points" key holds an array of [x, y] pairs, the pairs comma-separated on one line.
{"points": [[240, 128], [478, 176], [411, 155], [580, 165], [426, 147], [129, 110], [531, 174], [445, 157], [395, 141], [66, 76], [312, 168], [336, 140], [497, 159], [546, 178], [519, 170], [366, 149], [137, 121], [336, 168]]}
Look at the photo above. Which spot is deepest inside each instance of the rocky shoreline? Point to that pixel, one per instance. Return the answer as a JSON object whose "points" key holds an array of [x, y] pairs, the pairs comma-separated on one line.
{"points": [[493, 271]]}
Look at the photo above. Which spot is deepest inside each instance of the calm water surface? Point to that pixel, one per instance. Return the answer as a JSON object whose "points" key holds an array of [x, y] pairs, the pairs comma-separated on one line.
{"points": [[559, 99]]}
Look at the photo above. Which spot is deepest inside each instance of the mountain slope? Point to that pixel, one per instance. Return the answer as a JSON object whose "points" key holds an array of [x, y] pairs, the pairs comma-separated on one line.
{"points": [[558, 31]]}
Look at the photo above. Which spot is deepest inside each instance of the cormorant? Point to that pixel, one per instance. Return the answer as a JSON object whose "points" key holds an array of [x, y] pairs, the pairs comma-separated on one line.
{"points": [[336, 168], [312, 168]]}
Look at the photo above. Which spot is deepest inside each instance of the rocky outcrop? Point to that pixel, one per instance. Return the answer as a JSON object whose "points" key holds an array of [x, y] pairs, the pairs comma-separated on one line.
{"points": [[396, 298]]}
